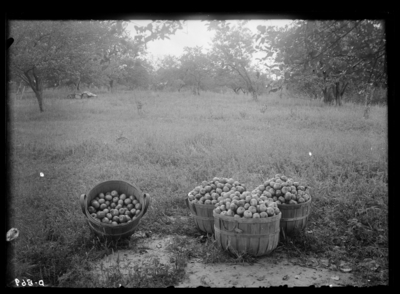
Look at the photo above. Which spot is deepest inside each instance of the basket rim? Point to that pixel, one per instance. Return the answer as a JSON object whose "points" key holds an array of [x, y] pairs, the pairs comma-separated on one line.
{"points": [[116, 181], [206, 205], [296, 205], [279, 205], [248, 220]]}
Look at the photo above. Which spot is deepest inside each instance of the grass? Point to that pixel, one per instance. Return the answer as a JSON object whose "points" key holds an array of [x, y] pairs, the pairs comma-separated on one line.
{"points": [[173, 142]]}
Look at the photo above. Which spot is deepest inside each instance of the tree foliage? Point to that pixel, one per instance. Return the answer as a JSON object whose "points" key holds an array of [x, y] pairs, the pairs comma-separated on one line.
{"points": [[326, 56], [196, 68], [157, 30], [43, 49], [232, 53], [90, 51], [168, 73]]}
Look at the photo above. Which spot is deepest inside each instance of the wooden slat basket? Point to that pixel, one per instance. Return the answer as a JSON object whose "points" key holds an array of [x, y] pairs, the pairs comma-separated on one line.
{"points": [[294, 217], [203, 216], [107, 230], [255, 237]]}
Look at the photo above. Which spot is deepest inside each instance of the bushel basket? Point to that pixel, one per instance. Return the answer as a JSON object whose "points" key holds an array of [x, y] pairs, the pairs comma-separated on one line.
{"points": [[294, 217], [254, 236], [203, 216], [108, 230]]}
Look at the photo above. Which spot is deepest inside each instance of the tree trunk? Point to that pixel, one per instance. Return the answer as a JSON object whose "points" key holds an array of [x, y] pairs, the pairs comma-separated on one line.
{"points": [[39, 97], [196, 90], [39, 92], [22, 92], [342, 92], [339, 88], [328, 93], [19, 87], [254, 94], [369, 94], [180, 87], [36, 84], [368, 97], [324, 92]]}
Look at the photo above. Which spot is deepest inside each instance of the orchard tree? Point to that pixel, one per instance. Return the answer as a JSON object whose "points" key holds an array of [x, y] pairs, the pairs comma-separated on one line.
{"points": [[58, 51], [47, 51], [118, 51], [328, 55], [134, 73], [156, 30], [223, 78], [167, 73], [196, 66], [42, 49], [117, 46], [232, 52], [114, 46]]}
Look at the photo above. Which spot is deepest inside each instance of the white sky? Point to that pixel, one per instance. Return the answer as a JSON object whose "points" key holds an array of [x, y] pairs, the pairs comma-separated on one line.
{"points": [[194, 34]]}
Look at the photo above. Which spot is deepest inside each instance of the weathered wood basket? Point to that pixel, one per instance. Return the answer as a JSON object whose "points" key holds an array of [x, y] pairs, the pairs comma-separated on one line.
{"points": [[107, 230], [255, 237], [203, 216], [294, 217]]}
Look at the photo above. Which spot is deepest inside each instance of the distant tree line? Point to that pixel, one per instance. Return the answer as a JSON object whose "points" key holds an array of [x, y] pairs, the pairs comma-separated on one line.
{"points": [[318, 59], [48, 54], [328, 58]]}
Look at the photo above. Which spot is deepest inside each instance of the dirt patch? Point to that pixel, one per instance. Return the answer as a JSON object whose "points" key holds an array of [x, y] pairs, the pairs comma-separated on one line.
{"points": [[264, 273], [274, 270], [145, 252]]}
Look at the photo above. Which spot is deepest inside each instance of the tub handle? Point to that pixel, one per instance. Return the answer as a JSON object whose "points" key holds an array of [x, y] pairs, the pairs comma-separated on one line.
{"points": [[146, 202], [82, 201]]}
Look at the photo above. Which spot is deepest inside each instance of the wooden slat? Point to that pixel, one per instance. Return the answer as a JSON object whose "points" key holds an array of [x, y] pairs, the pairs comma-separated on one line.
{"points": [[242, 242], [264, 242], [294, 217], [247, 243], [254, 236], [203, 216], [255, 242], [223, 237], [273, 236]]}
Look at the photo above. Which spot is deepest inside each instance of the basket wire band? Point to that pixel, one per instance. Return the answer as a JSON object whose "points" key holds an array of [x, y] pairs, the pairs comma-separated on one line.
{"points": [[246, 235], [203, 218], [296, 218]]}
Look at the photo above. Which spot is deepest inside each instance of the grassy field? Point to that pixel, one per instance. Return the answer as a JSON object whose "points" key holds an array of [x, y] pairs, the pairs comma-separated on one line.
{"points": [[175, 141]]}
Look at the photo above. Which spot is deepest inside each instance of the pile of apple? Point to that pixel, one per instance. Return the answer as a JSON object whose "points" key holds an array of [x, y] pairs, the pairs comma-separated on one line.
{"points": [[246, 205], [114, 208], [230, 198], [211, 192], [283, 190]]}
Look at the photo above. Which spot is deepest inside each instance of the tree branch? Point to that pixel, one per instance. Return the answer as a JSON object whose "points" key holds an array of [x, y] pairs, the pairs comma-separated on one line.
{"points": [[334, 43], [373, 67], [30, 82], [22, 77]]}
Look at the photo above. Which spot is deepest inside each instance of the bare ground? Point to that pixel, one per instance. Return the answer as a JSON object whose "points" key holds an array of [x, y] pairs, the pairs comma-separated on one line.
{"points": [[274, 270]]}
